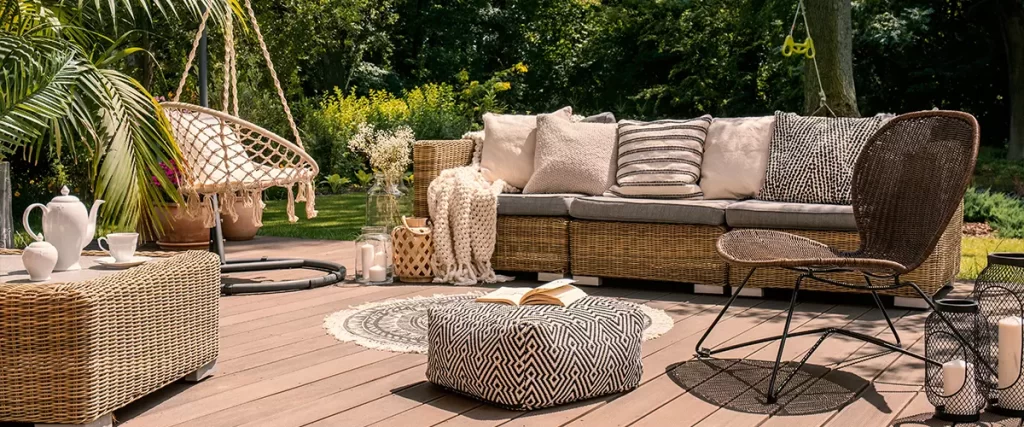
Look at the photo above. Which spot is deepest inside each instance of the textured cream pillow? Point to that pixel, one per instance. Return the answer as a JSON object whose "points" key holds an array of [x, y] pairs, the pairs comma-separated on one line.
{"points": [[573, 157], [509, 145], [735, 157]]}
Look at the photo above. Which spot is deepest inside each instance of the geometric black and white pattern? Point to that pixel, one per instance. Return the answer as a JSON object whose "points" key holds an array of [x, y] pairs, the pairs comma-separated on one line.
{"points": [[535, 356], [811, 159], [660, 159]]}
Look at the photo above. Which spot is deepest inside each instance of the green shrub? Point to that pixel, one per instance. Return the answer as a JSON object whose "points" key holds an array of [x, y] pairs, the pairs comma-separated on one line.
{"points": [[1003, 212], [995, 172]]}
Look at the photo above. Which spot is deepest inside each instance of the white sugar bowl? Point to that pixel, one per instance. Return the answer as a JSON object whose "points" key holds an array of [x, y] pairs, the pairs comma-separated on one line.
{"points": [[39, 259]]}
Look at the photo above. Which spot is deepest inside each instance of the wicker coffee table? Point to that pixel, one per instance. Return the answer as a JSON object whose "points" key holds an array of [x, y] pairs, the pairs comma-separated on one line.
{"points": [[88, 342]]}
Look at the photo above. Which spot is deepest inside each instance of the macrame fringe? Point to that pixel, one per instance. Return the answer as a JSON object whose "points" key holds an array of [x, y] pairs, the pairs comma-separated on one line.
{"points": [[311, 211], [291, 205]]}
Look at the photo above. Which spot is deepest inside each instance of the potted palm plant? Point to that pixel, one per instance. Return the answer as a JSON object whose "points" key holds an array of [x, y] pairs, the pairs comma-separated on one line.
{"points": [[64, 88]]}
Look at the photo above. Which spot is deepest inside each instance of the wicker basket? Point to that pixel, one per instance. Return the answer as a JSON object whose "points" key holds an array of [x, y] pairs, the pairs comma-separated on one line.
{"points": [[413, 245]]}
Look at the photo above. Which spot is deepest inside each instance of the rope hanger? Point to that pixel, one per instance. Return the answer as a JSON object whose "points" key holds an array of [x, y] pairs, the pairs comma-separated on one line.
{"points": [[230, 90], [790, 47]]}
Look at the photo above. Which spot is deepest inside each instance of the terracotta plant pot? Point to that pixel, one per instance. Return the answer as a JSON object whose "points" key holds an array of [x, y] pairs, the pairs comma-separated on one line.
{"points": [[182, 232], [245, 227]]}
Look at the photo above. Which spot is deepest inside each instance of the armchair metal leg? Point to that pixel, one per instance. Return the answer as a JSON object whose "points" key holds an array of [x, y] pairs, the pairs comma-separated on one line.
{"points": [[772, 396], [704, 352]]}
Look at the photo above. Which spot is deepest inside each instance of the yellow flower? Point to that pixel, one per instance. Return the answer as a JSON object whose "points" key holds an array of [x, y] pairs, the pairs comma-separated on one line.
{"points": [[520, 68], [17, 194], [502, 86]]}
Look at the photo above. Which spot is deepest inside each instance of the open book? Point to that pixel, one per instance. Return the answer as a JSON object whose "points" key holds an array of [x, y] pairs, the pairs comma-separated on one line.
{"points": [[560, 292]]}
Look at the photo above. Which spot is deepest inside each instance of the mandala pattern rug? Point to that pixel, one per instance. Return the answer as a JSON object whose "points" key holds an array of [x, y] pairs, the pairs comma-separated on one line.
{"points": [[401, 325]]}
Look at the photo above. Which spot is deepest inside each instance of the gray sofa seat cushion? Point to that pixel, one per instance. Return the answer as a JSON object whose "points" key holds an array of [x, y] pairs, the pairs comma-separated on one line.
{"points": [[782, 215], [535, 204], [694, 212]]}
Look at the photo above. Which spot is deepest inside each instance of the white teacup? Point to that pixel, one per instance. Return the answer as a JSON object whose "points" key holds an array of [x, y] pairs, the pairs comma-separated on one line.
{"points": [[121, 246]]}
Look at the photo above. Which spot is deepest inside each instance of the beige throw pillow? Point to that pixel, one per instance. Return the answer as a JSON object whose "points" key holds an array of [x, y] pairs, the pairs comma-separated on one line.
{"points": [[735, 157], [572, 157], [509, 146]]}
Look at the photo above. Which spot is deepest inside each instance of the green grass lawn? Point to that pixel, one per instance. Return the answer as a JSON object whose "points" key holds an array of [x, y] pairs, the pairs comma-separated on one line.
{"points": [[340, 217], [975, 250]]}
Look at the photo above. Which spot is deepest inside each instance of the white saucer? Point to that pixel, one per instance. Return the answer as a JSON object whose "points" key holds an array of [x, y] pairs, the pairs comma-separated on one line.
{"points": [[109, 262]]}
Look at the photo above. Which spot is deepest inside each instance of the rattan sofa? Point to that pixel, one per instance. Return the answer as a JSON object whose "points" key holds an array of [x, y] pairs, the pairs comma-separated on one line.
{"points": [[571, 235], [71, 353]]}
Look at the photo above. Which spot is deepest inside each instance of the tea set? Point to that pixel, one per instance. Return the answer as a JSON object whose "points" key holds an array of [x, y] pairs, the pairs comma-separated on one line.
{"points": [[68, 227]]}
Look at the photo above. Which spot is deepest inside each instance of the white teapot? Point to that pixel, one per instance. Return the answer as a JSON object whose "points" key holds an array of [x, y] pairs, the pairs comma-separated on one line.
{"points": [[67, 226]]}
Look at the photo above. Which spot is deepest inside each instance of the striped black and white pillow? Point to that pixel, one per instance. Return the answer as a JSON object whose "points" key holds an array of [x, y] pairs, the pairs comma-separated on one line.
{"points": [[660, 159]]}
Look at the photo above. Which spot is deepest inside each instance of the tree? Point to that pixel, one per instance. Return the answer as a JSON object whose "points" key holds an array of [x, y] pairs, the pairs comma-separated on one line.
{"points": [[63, 89], [1010, 14], [832, 31]]}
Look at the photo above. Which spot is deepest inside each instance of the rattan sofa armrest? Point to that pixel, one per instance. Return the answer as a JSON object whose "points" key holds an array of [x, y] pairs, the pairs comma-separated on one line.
{"points": [[71, 352], [429, 158]]}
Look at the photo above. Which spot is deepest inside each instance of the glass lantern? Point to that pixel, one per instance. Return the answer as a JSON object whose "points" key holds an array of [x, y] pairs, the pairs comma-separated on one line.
{"points": [[999, 291], [374, 265], [955, 377]]}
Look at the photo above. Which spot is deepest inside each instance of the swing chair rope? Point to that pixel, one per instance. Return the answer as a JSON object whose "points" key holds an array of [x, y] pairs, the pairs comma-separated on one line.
{"points": [[273, 73]]}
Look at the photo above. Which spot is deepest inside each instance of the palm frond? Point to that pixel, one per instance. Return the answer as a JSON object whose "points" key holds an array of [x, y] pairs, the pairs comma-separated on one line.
{"points": [[34, 93]]}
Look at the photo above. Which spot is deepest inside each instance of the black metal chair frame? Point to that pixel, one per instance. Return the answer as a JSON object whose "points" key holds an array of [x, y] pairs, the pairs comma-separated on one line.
{"points": [[812, 273]]}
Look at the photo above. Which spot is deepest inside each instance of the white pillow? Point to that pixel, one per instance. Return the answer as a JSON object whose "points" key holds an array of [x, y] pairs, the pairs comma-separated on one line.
{"points": [[510, 142], [735, 157]]}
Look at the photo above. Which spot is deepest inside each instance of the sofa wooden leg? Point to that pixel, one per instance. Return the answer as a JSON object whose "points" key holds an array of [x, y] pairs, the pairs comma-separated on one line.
{"points": [[708, 289], [904, 302], [105, 420], [587, 280], [203, 372], [550, 277]]}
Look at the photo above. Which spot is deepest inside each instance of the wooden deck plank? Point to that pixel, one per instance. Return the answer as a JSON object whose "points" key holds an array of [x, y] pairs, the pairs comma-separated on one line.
{"points": [[279, 367], [631, 407]]}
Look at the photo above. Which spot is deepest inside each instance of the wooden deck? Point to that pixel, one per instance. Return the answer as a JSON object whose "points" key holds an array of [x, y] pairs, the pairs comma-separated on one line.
{"points": [[278, 367]]}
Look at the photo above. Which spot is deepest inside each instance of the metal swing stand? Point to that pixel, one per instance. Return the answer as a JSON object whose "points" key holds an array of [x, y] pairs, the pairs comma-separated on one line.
{"points": [[335, 273]]}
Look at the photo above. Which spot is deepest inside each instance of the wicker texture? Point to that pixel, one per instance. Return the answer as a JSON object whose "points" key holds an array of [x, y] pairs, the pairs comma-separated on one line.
{"points": [[937, 271], [429, 159], [413, 246], [72, 352], [908, 184], [532, 243], [671, 252]]}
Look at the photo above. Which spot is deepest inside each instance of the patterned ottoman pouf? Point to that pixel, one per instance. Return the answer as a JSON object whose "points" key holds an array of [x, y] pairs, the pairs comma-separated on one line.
{"points": [[535, 356]]}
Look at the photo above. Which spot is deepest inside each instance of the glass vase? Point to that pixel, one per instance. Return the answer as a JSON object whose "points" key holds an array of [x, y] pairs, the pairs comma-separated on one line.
{"points": [[386, 202]]}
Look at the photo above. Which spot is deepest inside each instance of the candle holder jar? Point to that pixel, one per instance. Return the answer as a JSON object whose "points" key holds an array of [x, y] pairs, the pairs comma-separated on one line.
{"points": [[999, 291], [951, 381], [373, 256]]}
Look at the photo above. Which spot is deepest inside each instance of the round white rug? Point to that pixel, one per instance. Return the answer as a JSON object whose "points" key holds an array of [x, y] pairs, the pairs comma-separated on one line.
{"points": [[401, 325]]}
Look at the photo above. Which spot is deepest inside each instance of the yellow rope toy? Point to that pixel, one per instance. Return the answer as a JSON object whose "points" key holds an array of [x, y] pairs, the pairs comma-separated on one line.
{"points": [[791, 46]]}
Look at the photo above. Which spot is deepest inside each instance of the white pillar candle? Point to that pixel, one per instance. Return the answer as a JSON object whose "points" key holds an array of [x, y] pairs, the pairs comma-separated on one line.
{"points": [[378, 274], [379, 259], [958, 384], [1009, 363], [367, 258]]}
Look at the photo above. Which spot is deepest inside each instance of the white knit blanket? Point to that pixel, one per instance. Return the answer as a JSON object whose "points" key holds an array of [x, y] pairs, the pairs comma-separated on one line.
{"points": [[464, 209]]}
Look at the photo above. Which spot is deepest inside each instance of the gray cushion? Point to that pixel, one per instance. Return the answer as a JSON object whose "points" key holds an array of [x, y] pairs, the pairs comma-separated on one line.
{"points": [[781, 215], [535, 204], [696, 212]]}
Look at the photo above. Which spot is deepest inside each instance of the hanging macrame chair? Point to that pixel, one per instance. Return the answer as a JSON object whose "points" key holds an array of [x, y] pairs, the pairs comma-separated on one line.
{"points": [[227, 158]]}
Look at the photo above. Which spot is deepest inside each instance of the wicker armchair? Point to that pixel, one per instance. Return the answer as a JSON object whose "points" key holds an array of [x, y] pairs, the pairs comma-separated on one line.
{"points": [[908, 184], [71, 353]]}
